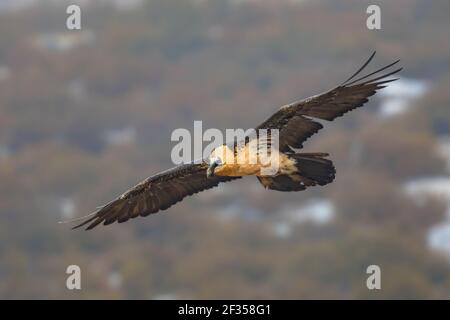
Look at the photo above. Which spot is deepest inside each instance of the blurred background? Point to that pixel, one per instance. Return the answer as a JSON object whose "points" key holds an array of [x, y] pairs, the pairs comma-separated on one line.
{"points": [[86, 114]]}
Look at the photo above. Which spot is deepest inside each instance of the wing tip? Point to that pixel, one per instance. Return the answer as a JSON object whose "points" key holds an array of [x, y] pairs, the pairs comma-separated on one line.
{"points": [[86, 219], [347, 83], [361, 68], [85, 223]]}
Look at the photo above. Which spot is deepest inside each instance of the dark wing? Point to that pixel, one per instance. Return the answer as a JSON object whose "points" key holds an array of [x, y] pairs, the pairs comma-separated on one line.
{"points": [[156, 193], [293, 120]]}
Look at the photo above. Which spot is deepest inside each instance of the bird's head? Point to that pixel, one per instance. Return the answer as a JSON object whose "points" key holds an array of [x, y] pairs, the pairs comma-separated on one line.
{"points": [[218, 158], [213, 164]]}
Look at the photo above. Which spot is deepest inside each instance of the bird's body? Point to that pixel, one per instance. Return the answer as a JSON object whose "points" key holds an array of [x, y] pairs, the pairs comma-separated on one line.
{"points": [[293, 171], [239, 161]]}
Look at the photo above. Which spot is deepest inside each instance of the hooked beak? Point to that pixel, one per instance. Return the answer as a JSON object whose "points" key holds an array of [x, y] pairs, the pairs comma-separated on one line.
{"points": [[211, 168]]}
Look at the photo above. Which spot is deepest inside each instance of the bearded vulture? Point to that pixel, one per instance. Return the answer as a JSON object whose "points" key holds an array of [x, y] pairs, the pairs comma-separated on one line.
{"points": [[295, 171]]}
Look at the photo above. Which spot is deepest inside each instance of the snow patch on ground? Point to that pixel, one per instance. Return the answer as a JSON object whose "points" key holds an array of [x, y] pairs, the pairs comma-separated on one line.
{"points": [[396, 98]]}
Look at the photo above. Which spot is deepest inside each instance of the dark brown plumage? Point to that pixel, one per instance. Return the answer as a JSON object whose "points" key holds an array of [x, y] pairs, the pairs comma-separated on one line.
{"points": [[156, 193], [293, 119], [295, 125]]}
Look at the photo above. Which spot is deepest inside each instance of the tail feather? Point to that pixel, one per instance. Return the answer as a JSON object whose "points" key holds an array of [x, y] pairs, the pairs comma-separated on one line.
{"points": [[315, 167], [312, 169]]}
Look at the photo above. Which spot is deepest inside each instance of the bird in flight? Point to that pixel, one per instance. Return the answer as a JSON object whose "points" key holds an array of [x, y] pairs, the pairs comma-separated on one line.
{"points": [[296, 171]]}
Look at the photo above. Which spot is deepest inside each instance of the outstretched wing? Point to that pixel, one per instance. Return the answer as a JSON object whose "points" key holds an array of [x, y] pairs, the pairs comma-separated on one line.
{"points": [[293, 120], [155, 193]]}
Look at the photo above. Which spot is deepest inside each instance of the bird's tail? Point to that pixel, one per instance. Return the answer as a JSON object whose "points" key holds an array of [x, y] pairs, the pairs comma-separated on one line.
{"points": [[315, 167], [312, 169]]}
